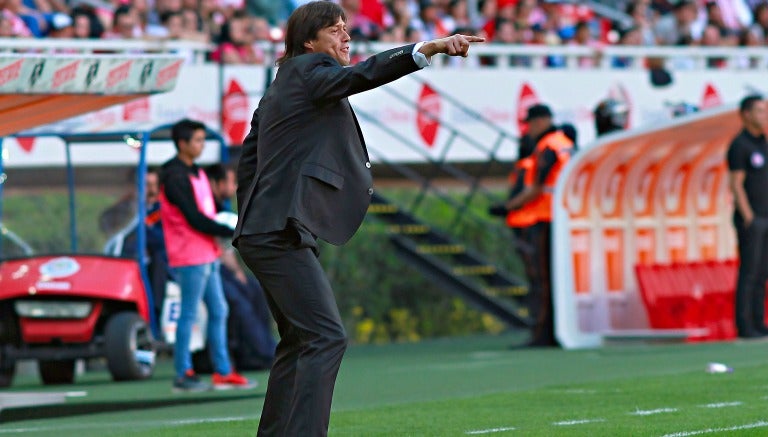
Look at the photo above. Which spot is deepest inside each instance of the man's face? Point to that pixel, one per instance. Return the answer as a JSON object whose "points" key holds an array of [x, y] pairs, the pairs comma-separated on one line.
{"points": [[194, 147], [228, 186], [755, 117], [538, 126], [332, 40], [152, 187]]}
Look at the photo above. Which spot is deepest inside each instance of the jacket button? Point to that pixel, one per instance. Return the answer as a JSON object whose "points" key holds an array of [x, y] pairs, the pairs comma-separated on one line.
{"points": [[367, 165], [370, 191]]}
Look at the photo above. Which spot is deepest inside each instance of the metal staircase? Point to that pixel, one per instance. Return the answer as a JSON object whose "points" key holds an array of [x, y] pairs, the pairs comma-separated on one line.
{"points": [[453, 265], [442, 254]]}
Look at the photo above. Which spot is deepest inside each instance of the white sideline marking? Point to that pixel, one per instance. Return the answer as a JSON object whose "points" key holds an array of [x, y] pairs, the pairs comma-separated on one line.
{"points": [[214, 420], [490, 431], [760, 424], [579, 391], [650, 412], [577, 422], [723, 404], [84, 426]]}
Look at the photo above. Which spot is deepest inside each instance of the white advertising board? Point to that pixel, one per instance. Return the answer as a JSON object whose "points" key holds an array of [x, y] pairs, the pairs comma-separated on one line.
{"points": [[461, 100]]}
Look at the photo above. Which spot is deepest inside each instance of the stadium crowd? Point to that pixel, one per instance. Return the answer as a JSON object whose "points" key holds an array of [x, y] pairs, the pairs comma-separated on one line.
{"points": [[235, 26]]}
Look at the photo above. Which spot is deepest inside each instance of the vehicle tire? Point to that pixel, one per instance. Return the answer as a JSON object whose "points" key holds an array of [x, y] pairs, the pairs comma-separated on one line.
{"points": [[129, 347], [57, 371], [7, 370], [9, 336]]}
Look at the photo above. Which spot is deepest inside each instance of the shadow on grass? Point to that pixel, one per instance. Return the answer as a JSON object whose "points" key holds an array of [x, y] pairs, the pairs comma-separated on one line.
{"points": [[67, 410]]}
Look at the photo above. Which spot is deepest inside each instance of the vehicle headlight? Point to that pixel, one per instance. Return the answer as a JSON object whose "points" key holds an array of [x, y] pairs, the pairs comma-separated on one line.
{"points": [[49, 309]]}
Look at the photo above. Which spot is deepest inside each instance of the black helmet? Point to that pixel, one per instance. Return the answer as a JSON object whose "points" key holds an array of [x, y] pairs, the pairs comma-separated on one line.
{"points": [[610, 115]]}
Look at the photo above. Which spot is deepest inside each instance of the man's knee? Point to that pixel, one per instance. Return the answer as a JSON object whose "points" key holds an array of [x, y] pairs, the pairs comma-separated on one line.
{"points": [[336, 341]]}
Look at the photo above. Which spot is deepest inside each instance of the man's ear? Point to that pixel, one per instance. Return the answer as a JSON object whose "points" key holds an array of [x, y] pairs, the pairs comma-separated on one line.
{"points": [[309, 46]]}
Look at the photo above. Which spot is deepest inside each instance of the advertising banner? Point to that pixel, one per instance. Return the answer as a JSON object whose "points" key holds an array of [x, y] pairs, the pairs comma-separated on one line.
{"points": [[461, 114]]}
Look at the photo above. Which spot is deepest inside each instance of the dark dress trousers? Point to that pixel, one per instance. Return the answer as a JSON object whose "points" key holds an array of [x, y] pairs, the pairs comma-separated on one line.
{"points": [[304, 174]]}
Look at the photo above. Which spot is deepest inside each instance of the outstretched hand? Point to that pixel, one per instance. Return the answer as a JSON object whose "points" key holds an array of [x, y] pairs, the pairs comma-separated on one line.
{"points": [[455, 45]]}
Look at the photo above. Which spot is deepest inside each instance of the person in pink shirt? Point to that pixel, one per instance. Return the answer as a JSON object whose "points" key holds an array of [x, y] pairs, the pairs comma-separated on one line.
{"points": [[188, 209]]}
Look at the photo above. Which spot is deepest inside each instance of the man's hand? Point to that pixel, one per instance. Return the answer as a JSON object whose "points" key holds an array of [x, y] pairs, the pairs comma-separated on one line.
{"points": [[456, 45]]}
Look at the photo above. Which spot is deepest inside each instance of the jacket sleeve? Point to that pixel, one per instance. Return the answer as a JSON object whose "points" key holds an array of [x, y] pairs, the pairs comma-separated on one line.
{"points": [[327, 81], [179, 192], [246, 166]]}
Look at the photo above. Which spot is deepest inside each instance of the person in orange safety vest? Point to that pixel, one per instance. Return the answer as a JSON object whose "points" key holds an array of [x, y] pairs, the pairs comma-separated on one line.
{"points": [[533, 206]]}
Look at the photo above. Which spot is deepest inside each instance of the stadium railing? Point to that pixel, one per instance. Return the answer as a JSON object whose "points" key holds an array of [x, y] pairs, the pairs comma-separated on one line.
{"points": [[489, 55]]}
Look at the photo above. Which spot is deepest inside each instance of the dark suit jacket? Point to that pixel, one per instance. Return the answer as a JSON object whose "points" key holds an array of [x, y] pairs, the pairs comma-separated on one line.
{"points": [[305, 157]]}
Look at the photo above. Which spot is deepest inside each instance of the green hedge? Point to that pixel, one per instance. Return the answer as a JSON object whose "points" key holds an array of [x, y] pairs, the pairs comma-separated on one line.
{"points": [[381, 298]]}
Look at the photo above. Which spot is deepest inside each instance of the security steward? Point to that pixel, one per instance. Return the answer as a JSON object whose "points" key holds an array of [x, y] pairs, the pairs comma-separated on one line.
{"points": [[551, 152], [748, 180]]}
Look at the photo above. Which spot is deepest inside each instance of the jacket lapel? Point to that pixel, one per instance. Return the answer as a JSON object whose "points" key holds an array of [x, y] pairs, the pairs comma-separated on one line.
{"points": [[359, 131]]}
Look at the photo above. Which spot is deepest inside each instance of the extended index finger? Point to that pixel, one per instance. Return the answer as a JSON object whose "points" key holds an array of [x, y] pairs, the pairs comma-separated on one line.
{"points": [[473, 38]]}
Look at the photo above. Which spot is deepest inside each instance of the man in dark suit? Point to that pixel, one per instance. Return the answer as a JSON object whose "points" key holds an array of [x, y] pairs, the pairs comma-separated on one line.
{"points": [[304, 174]]}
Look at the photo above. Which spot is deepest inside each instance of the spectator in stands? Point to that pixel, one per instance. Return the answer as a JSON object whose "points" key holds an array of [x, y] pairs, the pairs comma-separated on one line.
{"points": [[732, 15], [434, 24], [748, 178], [125, 24], [760, 24], [249, 318], [497, 12], [506, 33], [551, 152], [86, 23], [360, 27], [173, 25], [641, 15], [748, 38], [6, 27], [630, 36], [236, 42], [192, 26], [583, 37], [712, 37], [680, 26], [35, 15], [542, 37], [163, 7], [261, 29], [149, 20], [726, 35], [187, 207], [212, 18], [61, 26], [459, 11], [400, 14]]}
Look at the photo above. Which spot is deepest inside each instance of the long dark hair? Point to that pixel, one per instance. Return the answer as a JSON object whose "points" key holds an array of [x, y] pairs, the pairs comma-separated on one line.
{"points": [[305, 22]]}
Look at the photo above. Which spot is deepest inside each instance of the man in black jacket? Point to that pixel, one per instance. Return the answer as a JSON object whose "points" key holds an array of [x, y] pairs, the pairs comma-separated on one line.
{"points": [[304, 174]]}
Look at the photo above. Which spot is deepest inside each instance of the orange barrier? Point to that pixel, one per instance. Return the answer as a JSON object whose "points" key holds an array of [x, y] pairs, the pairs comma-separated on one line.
{"points": [[694, 295]]}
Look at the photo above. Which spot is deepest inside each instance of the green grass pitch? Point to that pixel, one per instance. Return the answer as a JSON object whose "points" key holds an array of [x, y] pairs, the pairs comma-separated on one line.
{"points": [[450, 387]]}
